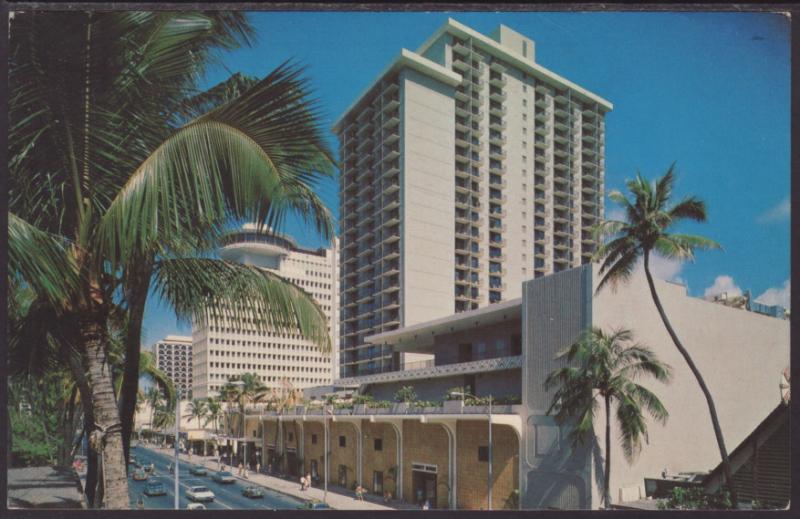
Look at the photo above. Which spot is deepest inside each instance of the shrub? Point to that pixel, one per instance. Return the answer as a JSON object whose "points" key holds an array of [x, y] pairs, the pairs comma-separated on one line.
{"points": [[381, 404], [405, 394], [363, 399], [695, 498]]}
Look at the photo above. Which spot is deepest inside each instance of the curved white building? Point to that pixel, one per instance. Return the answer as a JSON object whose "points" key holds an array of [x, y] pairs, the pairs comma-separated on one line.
{"points": [[280, 359]]}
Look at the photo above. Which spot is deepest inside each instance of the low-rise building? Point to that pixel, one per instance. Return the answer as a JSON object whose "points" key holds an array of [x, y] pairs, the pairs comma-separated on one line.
{"points": [[440, 452]]}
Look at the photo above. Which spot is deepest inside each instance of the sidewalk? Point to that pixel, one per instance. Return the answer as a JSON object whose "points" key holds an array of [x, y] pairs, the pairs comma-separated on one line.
{"points": [[338, 497]]}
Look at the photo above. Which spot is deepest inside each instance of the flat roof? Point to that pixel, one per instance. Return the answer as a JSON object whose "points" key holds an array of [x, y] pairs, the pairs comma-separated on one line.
{"points": [[518, 60], [421, 335], [406, 59]]}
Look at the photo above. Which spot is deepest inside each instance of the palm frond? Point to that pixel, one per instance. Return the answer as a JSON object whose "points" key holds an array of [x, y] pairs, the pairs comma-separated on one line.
{"points": [[253, 158], [203, 289], [41, 260]]}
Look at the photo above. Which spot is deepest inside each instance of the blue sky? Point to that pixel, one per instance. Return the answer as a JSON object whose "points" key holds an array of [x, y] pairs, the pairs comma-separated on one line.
{"points": [[710, 92]]}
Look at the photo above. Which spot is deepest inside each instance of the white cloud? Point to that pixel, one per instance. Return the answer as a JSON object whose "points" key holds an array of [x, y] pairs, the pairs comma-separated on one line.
{"points": [[777, 213], [723, 285], [777, 296], [663, 268]]}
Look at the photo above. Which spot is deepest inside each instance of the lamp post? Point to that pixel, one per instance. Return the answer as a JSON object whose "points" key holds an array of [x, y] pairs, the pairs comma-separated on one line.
{"points": [[177, 435], [325, 421]]}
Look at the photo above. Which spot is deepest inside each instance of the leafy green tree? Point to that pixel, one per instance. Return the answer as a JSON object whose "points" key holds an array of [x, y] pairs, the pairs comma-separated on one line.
{"points": [[196, 410], [605, 367], [650, 218], [122, 178], [405, 394]]}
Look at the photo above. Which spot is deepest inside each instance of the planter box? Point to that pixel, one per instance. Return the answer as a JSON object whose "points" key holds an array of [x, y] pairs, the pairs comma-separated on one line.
{"points": [[452, 406], [432, 410], [381, 410], [360, 409], [400, 408]]}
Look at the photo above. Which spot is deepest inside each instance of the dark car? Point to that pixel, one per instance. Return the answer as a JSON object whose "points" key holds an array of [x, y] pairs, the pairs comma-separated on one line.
{"points": [[253, 492], [223, 476], [155, 488], [314, 505]]}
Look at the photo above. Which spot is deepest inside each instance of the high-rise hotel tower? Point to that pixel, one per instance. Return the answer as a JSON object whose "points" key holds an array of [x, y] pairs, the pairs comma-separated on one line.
{"points": [[466, 169]]}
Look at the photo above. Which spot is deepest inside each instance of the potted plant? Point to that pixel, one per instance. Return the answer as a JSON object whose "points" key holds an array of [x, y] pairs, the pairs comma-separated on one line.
{"points": [[404, 397]]}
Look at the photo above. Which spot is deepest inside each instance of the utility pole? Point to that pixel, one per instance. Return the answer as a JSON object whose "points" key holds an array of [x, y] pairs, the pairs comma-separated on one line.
{"points": [[490, 452], [177, 451], [325, 418]]}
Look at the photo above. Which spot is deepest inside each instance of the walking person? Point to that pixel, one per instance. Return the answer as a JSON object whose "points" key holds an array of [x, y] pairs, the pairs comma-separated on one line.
{"points": [[302, 483], [241, 467], [426, 505], [258, 467], [308, 480]]}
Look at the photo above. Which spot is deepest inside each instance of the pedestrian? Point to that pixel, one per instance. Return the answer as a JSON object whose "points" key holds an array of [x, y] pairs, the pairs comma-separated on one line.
{"points": [[269, 468], [387, 496], [240, 468], [302, 483], [308, 480], [426, 505], [360, 493], [258, 467]]}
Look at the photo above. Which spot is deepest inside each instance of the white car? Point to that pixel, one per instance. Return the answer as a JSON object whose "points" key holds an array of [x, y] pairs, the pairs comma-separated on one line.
{"points": [[199, 493], [195, 506]]}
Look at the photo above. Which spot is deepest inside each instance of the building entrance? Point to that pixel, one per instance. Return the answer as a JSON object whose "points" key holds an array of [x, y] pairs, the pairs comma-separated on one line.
{"points": [[423, 486]]}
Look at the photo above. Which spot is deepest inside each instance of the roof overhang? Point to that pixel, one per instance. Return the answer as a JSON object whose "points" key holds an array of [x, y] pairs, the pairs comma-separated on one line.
{"points": [[421, 336], [406, 59], [516, 59]]}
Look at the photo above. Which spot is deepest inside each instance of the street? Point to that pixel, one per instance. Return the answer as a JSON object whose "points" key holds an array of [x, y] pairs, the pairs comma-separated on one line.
{"points": [[227, 496]]}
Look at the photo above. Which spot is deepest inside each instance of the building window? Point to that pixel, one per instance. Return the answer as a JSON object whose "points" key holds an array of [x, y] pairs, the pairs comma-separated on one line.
{"points": [[342, 441], [291, 437], [483, 453], [378, 444]]}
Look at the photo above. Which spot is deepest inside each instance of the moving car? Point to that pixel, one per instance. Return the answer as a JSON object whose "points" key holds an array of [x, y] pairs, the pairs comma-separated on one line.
{"points": [[223, 476], [155, 488], [253, 492], [198, 470], [314, 504], [195, 506], [139, 475], [199, 493]]}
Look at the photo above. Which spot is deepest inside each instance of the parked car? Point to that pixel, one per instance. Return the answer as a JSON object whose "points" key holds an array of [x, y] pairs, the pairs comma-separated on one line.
{"points": [[314, 505], [139, 475], [253, 492], [155, 488], [198, 470], [199, 493], [195, 506], [223, 476]]}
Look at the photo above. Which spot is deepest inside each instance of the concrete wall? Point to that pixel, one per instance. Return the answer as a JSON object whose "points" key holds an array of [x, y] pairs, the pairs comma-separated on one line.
{"points": [[483, 339], [740, 355], [556, 310], [428, 198]]}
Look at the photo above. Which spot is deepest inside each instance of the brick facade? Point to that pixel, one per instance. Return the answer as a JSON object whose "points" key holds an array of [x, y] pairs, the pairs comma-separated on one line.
{"points": [[342, 455], [384, 460], [429, 444], [473, 474]]}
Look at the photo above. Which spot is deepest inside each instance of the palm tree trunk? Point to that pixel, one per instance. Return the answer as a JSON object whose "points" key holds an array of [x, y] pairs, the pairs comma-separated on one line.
{"points": [[136, 298], [108, 440], [607, 477], [726, 464]]}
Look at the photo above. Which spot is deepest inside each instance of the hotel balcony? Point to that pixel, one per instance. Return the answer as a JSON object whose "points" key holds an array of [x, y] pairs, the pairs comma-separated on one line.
{"points": [[497, 111], [460, 64], [497, 138], [561, 97], [560, 124]]}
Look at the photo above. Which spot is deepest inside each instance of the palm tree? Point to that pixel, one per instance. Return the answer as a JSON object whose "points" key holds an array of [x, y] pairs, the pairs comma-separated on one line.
{"points": [[213, 412], [647, 229], [153, 398], [139, 175], [606, 366], [196, 410]]}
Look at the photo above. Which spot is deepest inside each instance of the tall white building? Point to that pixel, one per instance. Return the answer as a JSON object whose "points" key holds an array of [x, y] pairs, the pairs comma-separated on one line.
{"points": [[467, 168], [281, 360], [174, 357]]}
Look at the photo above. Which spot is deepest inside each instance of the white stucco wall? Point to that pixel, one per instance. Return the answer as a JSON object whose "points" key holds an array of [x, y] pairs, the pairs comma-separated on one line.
{"points": [[740, 354], [428, 205]]}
